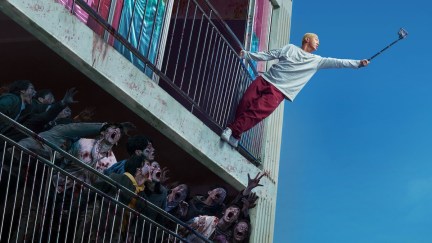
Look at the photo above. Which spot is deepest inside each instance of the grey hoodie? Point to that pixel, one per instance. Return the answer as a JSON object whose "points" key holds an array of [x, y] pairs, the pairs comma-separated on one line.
{"points": [[295, 67]]}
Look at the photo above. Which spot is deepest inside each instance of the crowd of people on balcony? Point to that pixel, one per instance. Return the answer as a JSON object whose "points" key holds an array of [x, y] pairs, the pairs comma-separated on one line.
{"points": [[93, 144]]}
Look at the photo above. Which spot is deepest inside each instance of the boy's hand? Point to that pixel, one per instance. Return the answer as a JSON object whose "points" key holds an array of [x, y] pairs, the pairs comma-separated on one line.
{"points": [[364, 63], [242, 54]]}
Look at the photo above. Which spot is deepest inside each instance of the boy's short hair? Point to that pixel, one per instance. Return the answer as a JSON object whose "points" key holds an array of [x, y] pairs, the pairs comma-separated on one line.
{"points": [[137, 142], [218, 186], [307, 35], [107, 125], [42, 93], [133, 163]]}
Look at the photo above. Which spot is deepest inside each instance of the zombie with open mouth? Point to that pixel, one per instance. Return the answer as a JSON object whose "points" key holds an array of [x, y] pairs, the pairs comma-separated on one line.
{"points": [[212, 227], [95, 152], [176, 196], [154, 191], [224, 228], [136, 145], [241, 231], [212, 205]]}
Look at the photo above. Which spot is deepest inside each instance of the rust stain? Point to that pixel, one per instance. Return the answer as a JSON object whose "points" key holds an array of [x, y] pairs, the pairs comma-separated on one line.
{"points": [[132, 86], [151, 84], [230, 168], [162, 101], [104, 50], [37, 7], [99, 47]]}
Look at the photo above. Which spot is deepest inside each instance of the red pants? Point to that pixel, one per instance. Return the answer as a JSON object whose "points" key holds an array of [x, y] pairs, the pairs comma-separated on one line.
{"points": [[258, 102]]}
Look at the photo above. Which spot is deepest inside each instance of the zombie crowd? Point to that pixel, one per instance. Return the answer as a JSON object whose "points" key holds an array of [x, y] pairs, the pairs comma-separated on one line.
{"points": [[92, 143]]}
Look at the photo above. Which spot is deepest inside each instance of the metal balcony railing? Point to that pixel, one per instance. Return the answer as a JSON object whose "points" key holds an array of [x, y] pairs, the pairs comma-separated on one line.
{"points": [[187, 48], [33, 209]]}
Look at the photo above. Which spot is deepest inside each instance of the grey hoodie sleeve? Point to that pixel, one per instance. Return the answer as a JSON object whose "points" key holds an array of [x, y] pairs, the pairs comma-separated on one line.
{"points": [[263, 55], [327, 62]]}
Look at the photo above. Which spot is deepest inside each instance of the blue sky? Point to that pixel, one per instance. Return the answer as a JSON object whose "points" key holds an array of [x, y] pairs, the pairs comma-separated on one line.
{"points": [[356, 162]]}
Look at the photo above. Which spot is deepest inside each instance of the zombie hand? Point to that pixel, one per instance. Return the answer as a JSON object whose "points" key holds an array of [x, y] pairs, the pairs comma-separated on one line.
{"points": [[183, 231], [242, 54], [146, 171], [249, 202], [68, 97], [199, 224], [142, 176], [183, 208], [220, 239], [252, 183], [85, 115], [164, 175], [126, 127]]}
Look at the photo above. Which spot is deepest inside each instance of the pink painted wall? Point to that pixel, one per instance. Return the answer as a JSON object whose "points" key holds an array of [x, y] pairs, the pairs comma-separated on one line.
{"points": [[263, 10]]}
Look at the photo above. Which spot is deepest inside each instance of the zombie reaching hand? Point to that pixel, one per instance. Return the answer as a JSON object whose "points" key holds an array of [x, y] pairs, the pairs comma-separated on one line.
{"points": [[126, 127], [248, 203], [143, 174], [164, 175], [183, 208], [68, 98], [252, 183], [85, 115], [220, 239]]}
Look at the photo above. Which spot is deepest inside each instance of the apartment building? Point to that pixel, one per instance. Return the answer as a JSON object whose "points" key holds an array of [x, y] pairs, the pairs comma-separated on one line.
{"points": [[169, 66]]}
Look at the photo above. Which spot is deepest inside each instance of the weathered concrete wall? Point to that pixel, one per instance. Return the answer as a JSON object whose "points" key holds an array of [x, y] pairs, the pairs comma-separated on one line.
{"points": [[265, 213]]}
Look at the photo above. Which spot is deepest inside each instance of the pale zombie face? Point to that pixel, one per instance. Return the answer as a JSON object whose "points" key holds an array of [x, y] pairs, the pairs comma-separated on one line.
{"points": [[149, 152], [241, 230], [155, 170], [28, 94], [178, 194], [111, 135], [146, 169], [155, 165], [217, 195], [231, 214]]}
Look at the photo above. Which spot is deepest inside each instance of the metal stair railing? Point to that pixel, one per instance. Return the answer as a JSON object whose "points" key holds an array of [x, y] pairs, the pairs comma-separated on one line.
{"points": [[34, 208]]}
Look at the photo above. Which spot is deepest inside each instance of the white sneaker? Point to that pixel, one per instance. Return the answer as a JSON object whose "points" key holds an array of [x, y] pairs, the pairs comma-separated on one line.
{"points": [[233, 142], [226, 134]]}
